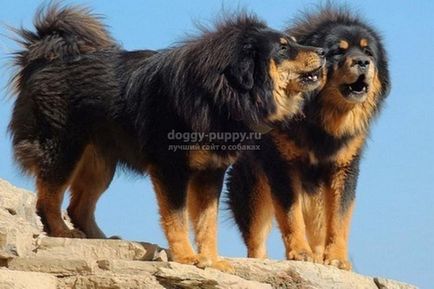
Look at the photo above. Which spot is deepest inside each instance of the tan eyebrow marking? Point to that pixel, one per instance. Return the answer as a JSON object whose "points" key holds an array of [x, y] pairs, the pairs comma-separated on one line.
{"points": [[343, 44], [283, 41], [363, 42]]}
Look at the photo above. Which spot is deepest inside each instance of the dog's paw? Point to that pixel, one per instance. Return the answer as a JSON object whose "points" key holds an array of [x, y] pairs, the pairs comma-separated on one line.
{"points": [[300, 255], [335, 255], [196, 260], [203, 262], [318, 258], [223, 266], [339, 263]]}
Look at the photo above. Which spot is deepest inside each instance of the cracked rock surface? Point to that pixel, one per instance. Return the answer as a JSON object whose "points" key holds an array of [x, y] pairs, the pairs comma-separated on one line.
{"points": [[31, 260]]}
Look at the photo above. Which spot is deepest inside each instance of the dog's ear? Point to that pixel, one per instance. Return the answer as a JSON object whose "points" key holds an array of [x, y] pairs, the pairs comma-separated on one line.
{"points": [[240, 74]]}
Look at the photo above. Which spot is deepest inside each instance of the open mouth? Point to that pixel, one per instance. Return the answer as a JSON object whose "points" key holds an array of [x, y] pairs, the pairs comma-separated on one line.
{"points": [[311, 77], [356, 89]]}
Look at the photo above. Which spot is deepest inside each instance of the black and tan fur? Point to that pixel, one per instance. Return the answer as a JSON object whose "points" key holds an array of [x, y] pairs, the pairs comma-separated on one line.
{"points": [[85, 107], [306, 171]]}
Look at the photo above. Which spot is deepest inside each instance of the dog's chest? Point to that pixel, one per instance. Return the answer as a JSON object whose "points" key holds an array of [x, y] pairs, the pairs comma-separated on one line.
{"points": [[318, 146]]}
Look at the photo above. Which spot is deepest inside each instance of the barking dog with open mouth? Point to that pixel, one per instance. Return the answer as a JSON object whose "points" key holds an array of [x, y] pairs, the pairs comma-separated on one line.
{"points": [[306, 172], [85, 107]]}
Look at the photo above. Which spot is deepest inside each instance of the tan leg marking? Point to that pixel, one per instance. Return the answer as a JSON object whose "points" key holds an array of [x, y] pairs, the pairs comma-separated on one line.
{"points": [[338, 225], [175, 226], [48, 207], [314, 218], [91, 179], [203, 196], [291, 224], [338, 221], [262, 217]]}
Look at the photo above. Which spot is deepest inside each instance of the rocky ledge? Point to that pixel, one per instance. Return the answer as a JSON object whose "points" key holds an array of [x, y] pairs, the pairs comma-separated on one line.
{"points": [[31, 260]]}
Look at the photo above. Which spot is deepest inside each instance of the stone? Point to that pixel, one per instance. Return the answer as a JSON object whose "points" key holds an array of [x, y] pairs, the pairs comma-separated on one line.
{"points": [[31, 260], [18, 221], [97, 249], [188, 276], [290, 274], [383, 283], [130, 267], [110, 282], [19, 202], [58, 267], [10, 279]]}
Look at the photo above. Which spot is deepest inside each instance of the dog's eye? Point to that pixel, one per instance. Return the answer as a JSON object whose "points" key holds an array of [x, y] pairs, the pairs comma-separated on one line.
{"points": [[336, 52], [248, 46], [340, 51], [368, 51], [283, 48]]}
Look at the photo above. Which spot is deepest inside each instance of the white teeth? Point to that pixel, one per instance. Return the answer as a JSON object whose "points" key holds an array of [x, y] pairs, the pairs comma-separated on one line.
{"points": [[312, 77]]}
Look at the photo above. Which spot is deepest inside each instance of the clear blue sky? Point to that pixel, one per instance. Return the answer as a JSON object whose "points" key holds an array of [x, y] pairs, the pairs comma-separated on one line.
{"points": [[393, 225]]}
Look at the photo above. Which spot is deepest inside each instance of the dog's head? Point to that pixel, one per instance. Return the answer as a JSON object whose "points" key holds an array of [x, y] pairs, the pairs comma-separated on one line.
{"points": [[269, 73], [254, 74], [357, 73], [353, 71], [294, 70]]}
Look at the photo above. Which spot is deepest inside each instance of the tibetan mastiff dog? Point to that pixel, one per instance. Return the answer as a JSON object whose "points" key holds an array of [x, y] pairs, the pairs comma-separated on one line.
{"points": [[85, 106], [306, 173]]}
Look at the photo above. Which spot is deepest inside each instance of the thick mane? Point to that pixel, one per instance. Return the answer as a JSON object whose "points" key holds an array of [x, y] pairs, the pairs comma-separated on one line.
{"points": [[207, 58], [196, 70], [241, 21], [323, 17], [310, 27]]}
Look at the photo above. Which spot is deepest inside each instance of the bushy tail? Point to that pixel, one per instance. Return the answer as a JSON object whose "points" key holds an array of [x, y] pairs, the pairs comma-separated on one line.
{"points": [[60, 32]]}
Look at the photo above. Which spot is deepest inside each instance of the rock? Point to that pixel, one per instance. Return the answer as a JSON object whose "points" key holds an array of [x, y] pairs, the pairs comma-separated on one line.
{"points": [[98, 249], [391, 284], [290, 274], [30, 259], [131, 267], [18, 221], [111, 282], [20, 203], [187, 276], [11, 279], [58, 267]]}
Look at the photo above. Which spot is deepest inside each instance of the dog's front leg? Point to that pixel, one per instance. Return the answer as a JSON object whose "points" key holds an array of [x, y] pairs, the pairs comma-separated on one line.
{"points": [[170, 185], [204, 190], [287, 201], [340, 196]]}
